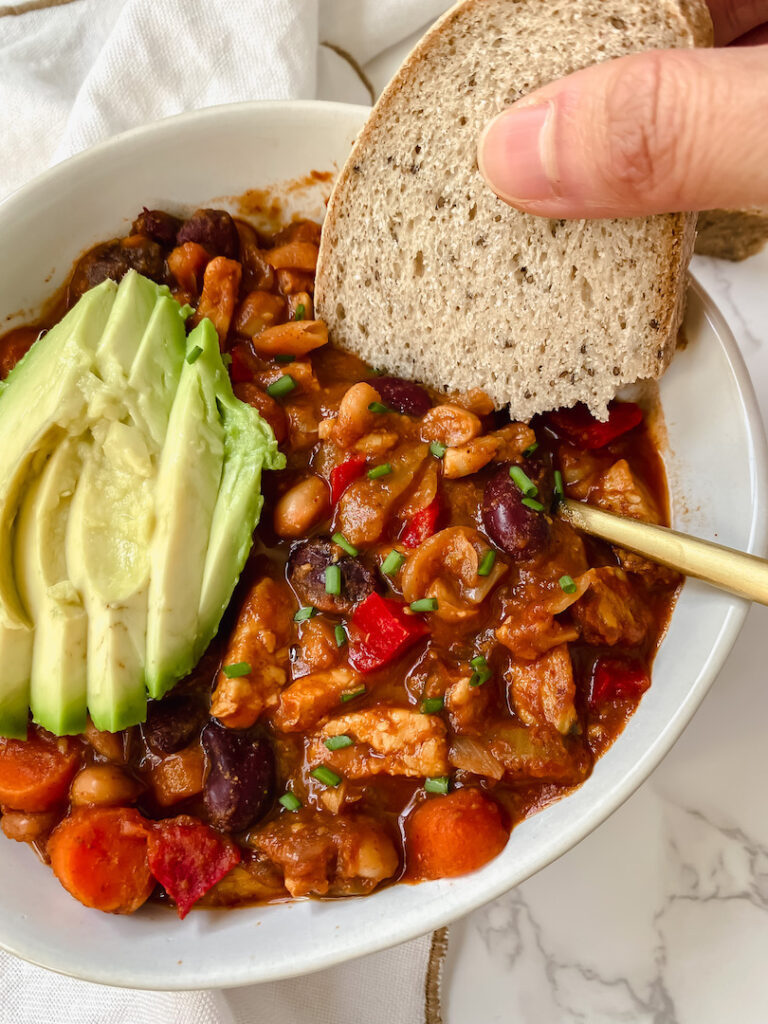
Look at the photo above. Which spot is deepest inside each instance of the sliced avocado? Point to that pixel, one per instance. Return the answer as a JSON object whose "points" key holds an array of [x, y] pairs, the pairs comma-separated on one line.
{"points": [[249, 447], [154, 375], [113, 515], [58, 675], [43, 398], [188, 482], [136, 299]]}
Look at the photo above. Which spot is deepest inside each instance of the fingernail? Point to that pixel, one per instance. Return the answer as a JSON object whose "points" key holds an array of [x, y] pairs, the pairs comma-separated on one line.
{"points": [[516, 155]]}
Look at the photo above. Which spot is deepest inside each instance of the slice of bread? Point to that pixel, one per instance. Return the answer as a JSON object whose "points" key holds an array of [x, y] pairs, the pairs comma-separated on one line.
{"points": [[732, 234], [424, 272]]}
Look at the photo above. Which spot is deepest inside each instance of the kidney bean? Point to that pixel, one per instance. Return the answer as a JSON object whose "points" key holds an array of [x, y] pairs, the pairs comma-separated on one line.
{"points": [[240, 786], [403, 395], [172, 723], [518, 530], [306, 574], [158, 225], [213, 229], [113, 260]]}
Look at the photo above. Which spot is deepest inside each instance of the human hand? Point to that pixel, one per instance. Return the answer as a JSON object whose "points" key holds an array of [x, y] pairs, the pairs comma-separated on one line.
{"points": [[652, 133]]}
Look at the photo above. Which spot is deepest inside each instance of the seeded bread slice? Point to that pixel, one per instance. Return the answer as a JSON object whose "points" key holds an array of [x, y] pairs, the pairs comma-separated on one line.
{"points": [[732, 234], [424, 272]]}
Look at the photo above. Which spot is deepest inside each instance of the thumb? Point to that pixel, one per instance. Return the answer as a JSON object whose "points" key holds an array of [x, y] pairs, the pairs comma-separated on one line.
{"points": [[656, 132]]}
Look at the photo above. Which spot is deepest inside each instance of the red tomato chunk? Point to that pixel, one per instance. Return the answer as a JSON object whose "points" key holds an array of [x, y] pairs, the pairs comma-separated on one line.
{"points": [[421, 525], [188, 858], [382, 630], [580, 427], [342, 476], [614, 678]]}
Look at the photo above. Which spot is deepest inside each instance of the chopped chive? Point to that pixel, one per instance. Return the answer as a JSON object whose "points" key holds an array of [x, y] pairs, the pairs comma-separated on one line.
{"points": [[326, 776], [290, 801], [438, 785], [523, 481], [351, 694], [306, 612], [392, 563], [479, 661], [301, 310], [340, 635], [282, 386], [378, 407], [530, 450], [226, 358], [285, 357], [424, 604], [194, 354], [559, 490], [438, 449], [482, 675], [487, 563], [341, 540], [333, 580], [242, 668], [338, 742], [567, 584], [432, 705], [384, 470], [533, 504]]}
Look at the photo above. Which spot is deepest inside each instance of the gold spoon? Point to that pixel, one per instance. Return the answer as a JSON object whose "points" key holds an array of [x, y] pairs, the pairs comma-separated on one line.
{"points": [[735, 571]]}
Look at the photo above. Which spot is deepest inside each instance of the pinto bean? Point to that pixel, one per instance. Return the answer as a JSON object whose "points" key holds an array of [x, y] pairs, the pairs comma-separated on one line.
{"points": [[213, 229], [302, 507], [257, 311], [451, 425], [306, 574], [296, 338], [104, 784], [26, 827]]}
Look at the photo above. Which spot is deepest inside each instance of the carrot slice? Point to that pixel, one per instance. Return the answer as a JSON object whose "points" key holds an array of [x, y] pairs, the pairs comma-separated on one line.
{"points": [[188, 858], [452, 835], [35, 773], [99, 854]]}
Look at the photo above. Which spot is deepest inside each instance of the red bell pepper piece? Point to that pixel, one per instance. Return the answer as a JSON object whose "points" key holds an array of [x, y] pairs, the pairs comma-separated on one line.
{"points": [[343, 475], [240, 372], [613, 678], [421, 525], [381, 631], [579, 426], [188, 858]]}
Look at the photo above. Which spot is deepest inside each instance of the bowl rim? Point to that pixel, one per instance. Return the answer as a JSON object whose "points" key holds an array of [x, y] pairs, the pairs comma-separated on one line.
{"points": [[437, 915]]}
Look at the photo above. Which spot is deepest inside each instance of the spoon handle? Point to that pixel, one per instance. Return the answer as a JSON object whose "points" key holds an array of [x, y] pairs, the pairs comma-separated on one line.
{"points": [[735, 571]]}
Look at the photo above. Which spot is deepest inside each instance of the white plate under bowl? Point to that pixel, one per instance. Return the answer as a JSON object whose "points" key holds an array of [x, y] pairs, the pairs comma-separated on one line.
{"points": [[717, 468]]}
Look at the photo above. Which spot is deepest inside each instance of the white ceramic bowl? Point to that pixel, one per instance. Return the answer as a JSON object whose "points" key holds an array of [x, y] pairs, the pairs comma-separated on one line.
{"points": [[717, 467]]}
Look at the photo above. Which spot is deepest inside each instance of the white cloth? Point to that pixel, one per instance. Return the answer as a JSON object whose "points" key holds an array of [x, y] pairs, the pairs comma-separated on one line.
{"points": [[75, 73], [72, 74]]}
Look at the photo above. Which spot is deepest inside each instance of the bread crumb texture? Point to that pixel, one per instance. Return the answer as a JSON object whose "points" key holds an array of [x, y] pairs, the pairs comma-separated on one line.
{"points": [[425, 272]]}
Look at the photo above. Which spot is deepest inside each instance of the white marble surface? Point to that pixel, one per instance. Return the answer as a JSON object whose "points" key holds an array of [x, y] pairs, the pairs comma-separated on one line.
{"points": [[661, 915]]}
